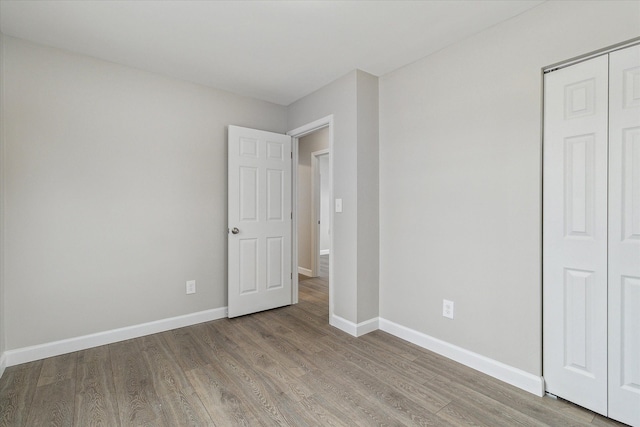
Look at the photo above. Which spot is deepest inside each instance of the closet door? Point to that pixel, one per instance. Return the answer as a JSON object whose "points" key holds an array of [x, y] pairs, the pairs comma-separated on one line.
{"points": [[624, 236], [575, 233]]}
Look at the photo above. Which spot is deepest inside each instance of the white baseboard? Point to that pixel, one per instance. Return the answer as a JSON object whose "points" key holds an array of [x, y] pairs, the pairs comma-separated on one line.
{"points": [[324, 251], [3, 363], [503, 372], [305, 271], [41, 351], [354, 329], [514, 376]]}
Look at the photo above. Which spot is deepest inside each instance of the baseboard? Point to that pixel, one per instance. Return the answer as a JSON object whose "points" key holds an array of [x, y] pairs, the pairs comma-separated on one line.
{"points": [[514, 376], [354, 329], [41, 351], [3, 363], [305, 271], [324, 251], [503, 372]]}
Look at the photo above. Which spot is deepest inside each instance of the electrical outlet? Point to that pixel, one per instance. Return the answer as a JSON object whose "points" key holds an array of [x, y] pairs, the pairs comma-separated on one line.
{"points": [[191, 287], [447, 308]]}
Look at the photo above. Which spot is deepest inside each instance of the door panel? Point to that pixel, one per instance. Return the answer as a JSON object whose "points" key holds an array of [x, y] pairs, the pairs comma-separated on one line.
{"points": [[248, 255], [275, 257], [624, 236], [248, 194], [575, 234], [578, 320], [579, 182], [275, 202], [260, 209]]}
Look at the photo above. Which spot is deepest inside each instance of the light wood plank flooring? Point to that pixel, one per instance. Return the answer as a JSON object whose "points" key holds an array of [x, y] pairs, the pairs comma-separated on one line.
{"points": [[279, 367]]}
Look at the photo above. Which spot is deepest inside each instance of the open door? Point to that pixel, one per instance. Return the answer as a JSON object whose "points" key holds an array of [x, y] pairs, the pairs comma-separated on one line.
{"points": [[259, 203]]}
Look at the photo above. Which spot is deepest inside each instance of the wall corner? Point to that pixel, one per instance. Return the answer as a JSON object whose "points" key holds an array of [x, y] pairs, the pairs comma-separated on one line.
{"points": [[2, 225], [368, 196]]}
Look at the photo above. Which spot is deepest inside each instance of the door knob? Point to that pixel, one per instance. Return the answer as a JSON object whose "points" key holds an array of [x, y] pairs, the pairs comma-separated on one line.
{"points": [[235, 230]]}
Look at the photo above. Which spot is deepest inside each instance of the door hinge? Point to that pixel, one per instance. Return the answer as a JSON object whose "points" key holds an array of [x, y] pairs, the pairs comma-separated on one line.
{"points": [[292, 155], [291, 215]]}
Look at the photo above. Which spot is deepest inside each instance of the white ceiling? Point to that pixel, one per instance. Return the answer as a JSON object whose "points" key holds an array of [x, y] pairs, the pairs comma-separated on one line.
{"points": [[277, 51]]}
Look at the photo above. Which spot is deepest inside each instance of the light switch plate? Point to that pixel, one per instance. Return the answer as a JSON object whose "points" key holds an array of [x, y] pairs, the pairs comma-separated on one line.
{"points": [[338, 205], [191, 287], [447, 308]]}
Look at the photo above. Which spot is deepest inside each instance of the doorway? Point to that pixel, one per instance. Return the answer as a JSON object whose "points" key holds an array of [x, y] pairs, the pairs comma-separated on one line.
{"points": [[320, 212], [312, 148], [305, 141]]}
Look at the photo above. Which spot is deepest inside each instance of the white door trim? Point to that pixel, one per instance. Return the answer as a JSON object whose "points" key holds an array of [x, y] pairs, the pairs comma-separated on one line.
{"points": [[296, 134], [581, 58], [315, 210]]}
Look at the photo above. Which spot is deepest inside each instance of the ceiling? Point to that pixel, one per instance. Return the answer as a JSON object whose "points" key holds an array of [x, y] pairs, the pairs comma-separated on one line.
{"points": [[277, 51]]}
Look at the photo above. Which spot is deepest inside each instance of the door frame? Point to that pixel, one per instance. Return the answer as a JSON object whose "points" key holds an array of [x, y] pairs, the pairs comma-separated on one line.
{"points": [[295, 135], [316, 206]]}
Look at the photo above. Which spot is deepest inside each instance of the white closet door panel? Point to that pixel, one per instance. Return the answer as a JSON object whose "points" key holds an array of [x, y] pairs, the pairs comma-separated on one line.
{"points": [[575, 234], [624, 236]]}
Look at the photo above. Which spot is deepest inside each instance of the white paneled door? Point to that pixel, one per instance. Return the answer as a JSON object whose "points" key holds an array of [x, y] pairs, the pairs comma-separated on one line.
{"points": [[624, 235], [259, 202], [575, 233], [591, 234]]}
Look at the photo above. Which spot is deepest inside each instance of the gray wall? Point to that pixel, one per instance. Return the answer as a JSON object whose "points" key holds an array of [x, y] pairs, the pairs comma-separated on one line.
{"points": [[315, 141], [368, 197], [2, 226], [115, 193], [353, 101], [338, 98], [460, 178]]}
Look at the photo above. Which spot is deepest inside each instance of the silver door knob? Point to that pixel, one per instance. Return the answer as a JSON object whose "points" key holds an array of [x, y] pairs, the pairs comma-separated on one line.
{"points": [[235, 230]]}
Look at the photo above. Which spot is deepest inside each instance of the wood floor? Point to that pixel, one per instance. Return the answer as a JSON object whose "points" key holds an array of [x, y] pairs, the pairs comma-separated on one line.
{"points": [[280, 367]]}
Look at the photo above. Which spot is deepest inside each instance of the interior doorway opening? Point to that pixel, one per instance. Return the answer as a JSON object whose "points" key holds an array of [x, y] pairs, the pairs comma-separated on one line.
{"points": [[320, 211], [313, 225], [312, 252]]}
